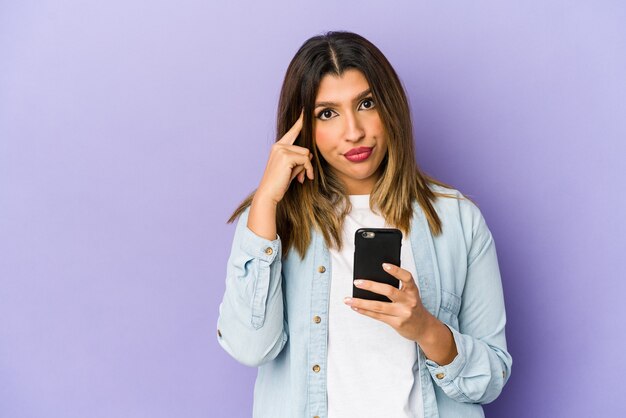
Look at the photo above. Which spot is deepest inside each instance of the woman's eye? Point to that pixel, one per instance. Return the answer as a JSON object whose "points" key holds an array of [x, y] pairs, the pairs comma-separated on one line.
{"points": [[368, 103], [325, 114]]}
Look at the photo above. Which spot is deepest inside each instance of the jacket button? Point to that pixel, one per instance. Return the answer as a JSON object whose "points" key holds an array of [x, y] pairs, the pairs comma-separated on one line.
{"points": [[440, 376], [316, 368], [503, 374], [269, 251], [219, 334], [317, 319], [321, 269]]}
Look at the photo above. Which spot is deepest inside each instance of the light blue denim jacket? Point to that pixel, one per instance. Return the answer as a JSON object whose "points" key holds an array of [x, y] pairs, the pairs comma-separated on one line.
{"points": [[274, 315]]}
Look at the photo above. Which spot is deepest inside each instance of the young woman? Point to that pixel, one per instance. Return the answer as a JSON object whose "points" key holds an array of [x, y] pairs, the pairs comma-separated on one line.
{"points": [[344, 160]]}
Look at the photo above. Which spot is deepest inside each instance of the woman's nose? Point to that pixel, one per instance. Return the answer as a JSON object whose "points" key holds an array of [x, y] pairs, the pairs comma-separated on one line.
{"points": [[354, 129]]}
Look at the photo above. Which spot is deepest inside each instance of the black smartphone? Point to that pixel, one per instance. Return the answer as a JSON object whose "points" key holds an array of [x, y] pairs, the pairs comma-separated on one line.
{"points": [[372, 248]]}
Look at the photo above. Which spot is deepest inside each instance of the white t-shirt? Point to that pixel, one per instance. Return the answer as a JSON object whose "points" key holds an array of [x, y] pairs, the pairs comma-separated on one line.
{"points": [[372, 370]]}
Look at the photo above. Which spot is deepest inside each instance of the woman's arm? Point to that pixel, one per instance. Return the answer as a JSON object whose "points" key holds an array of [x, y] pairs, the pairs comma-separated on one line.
{"points": [[251, 324], [482, 365]]}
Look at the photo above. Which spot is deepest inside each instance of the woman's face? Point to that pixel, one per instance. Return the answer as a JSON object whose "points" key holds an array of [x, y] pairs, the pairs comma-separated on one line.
{"points": [[348, 130]]}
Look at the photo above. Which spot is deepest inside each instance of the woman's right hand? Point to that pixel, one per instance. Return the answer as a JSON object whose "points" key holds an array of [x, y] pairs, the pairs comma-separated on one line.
{"points": [[286, 161]]}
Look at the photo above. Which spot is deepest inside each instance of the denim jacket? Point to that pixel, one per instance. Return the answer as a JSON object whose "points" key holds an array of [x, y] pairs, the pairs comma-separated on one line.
{"points": [[274, 315]]}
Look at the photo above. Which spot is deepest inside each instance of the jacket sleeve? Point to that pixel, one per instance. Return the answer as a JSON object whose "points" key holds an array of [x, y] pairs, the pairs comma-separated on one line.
{"points": [[483, 365], [251, 325]]}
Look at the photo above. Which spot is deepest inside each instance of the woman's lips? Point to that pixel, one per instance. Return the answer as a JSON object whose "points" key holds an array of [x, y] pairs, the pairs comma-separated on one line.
{"points": [[358, 154]]}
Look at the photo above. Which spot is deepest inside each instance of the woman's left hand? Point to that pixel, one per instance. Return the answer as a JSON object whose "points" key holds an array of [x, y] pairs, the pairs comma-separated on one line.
{"points": [[405, 313]]}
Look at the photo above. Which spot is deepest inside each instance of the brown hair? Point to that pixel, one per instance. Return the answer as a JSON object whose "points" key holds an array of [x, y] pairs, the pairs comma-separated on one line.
{"points": [[313, 204]]}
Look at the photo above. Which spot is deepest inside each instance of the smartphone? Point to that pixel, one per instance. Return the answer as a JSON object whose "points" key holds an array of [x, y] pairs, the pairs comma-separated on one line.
{"points": [[372, 248]]}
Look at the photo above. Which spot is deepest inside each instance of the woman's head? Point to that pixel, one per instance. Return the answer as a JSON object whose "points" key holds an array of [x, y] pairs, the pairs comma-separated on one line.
{"points": [[336, 67], [366, 106]]}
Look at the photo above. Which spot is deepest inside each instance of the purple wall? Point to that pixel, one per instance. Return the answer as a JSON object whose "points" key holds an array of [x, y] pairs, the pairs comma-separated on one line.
{"points": [[129, 131]]}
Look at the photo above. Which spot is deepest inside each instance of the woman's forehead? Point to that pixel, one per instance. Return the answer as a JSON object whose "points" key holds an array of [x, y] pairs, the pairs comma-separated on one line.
{"points": [[334, 89]]}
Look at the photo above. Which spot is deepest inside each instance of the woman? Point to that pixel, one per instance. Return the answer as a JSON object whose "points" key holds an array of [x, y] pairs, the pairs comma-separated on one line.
{"points": [[438, 349]]}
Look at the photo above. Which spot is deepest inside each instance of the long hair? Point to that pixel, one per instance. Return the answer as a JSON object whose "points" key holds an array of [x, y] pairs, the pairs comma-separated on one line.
{"points": [[314, 204]]}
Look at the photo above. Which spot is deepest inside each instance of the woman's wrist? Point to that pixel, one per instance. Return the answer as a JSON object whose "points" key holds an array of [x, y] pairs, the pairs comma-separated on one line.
{"points": [[436, 341], [262, 217], [263, 199]]}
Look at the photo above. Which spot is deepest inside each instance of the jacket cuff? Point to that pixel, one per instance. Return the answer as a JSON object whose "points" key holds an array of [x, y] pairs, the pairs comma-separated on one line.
{"points": [[258, 247], [444, 375]]}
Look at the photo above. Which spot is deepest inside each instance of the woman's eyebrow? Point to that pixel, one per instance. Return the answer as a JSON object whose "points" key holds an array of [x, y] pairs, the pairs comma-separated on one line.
{"points": [[331, 104]]}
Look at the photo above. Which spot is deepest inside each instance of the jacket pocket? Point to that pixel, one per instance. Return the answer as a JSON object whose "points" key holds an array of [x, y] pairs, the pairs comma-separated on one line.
{"points": [[450, 307]]}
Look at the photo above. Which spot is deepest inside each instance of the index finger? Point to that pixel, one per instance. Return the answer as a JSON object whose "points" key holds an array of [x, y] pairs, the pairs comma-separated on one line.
{"points": [[401, 274], [292, 134]]}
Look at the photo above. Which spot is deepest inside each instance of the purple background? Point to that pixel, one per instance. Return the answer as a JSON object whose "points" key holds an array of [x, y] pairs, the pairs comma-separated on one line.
{"points": [[130, 130]]}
